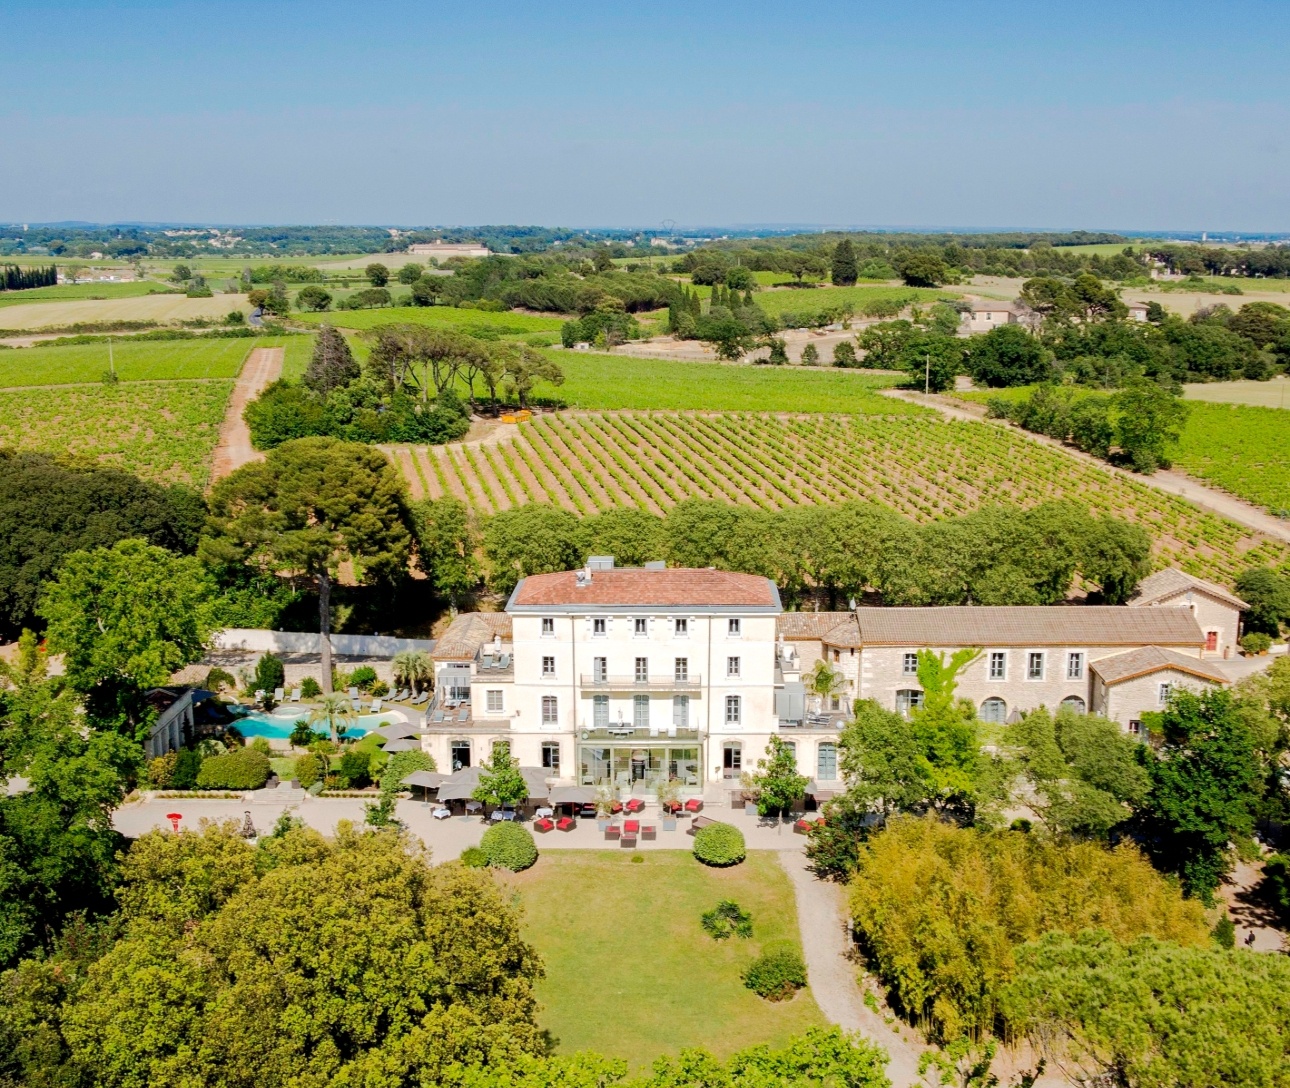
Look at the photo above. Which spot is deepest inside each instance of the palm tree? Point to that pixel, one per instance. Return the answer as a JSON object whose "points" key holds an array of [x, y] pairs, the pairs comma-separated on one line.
{"points": [[332, 708], [824, 681], [411, 667]]}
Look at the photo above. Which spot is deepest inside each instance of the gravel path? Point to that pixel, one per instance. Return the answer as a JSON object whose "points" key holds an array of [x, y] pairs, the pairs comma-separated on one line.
{"points": [[234, 449], [821, 918], [1173, 483]]}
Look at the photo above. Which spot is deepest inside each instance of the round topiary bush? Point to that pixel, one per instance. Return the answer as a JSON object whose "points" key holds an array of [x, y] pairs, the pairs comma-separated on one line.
{"points": [[776, 975], [509, 846], [720, 844]]}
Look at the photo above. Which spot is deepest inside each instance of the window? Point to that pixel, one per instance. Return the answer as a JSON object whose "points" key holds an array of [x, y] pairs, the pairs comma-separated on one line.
{"points": [[642, 670], [732, 666], [600, 669], [599, 626], [548, 666], [910, 665], [1073, 702], [1211, 640], [790, 746], [551, 756], [1135, 726], [908, 699], [681, 669], [1035, 665], [548, 627], [681, 711], [734, 710], [550, 710], [998, 665], [835, 702], [600, 711], [680, 627], [734, 628], [641, 627], [1165, 689], [1075, 666], [994, 709], [459, 754], [501, 751], [640, 711], [826, 763], [494, 700]]}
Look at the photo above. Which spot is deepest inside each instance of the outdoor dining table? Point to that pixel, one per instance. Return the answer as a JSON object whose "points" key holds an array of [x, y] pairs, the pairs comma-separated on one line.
{"points": [[441, 813], [543, 812], [473, 806], [501, 814]]}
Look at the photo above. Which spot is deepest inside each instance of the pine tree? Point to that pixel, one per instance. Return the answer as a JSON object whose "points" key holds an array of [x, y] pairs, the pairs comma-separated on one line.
{"points": [[332, 365], [845, 269]]}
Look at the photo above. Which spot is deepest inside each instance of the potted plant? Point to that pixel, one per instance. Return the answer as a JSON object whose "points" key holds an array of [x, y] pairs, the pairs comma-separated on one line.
{"points": [[669, 796], [606, 798]]}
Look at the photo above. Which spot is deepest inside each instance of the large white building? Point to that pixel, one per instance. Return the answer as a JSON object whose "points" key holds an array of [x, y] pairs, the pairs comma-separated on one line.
{"points": [[626, 676]]}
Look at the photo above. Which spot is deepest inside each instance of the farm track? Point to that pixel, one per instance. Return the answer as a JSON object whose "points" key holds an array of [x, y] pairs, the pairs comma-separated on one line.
{"points": [[1166, 480], [234, 449], [923, 467]]}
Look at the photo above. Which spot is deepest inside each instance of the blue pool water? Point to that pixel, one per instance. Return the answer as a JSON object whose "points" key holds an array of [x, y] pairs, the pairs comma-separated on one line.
{"points": [[277, 725]]}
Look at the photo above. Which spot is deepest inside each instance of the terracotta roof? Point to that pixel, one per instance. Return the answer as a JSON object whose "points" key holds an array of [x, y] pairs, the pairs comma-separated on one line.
{"points": [[468, 632], [1149, 659], [1171, 581], [633, 588], [825, 626], [1009, 625], [982, 305]]}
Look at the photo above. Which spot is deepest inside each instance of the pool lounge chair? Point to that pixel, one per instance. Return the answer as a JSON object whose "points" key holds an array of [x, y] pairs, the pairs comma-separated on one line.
{"points": [[353, 693], [421, 698], [358, 706], [375, 708], [295, 695], [438, 716], [463, 715], [259, 695], [279, 695]]}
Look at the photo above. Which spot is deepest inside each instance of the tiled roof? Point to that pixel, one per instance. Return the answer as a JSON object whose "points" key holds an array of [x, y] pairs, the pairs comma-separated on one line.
{"points": [[1008, 625], [1149, 659], [1171, 581], [826, 626], [629, 587], [984, 305], [468, 632]]}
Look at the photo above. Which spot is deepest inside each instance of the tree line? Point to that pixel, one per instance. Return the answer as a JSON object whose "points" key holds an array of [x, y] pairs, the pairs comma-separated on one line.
{"points": [[14, 278]]}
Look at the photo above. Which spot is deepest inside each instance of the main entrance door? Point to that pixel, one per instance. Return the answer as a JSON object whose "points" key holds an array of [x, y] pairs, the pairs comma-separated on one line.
{"points": [[733, 758]]}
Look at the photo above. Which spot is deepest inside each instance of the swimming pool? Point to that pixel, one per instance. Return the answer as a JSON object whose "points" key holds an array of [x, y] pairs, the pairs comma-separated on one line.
{"points": [[277, 724]]}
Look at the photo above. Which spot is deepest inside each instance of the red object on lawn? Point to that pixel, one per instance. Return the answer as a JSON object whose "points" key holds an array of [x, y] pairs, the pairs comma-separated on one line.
{"points": [[693, 805], [802, 826], [630, 827], [565, 823], [174, 818]]}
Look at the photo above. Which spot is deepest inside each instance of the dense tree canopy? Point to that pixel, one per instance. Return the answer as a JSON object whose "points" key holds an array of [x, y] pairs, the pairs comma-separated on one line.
{"points": [[49, 508]]}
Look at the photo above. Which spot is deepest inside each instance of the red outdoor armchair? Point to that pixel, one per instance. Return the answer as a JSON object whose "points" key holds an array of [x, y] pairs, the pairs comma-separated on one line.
{"points": [[635, 805], [693, 805], [543, 825], [565, 823]]}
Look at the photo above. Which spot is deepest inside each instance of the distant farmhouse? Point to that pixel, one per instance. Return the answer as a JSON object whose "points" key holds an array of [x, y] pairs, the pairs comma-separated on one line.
{"points": [[444, 250], [985, 314]]}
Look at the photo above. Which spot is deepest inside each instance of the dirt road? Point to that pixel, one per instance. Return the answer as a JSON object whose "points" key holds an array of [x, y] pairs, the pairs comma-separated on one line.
{"points": [[234, 449]]}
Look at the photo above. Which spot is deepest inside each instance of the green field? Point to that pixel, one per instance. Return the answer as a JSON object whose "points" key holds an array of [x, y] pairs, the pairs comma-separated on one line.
{"points": [[296, 357], [163, 431], [507, 323], [600, 381], [1240, 449], [135, 360], [629, 971], [1270, 394], [66, 291], [816, 299]]}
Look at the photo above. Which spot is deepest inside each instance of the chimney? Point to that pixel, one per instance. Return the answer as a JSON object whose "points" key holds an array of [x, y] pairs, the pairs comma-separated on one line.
{"points": [[582, 577]]}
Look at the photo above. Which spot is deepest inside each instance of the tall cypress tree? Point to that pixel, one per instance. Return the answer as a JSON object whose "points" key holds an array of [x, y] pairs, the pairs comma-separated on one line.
{"points": [[845, 269]]}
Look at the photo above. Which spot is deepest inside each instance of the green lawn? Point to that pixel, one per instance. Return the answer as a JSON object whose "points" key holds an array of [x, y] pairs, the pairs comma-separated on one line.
{"points": [[65, 291], [629, 971], [135, 360], [450, 316], [600, 381]]}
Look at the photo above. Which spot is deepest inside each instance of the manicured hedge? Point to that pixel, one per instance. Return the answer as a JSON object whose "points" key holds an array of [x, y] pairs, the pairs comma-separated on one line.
{"points": [[776, 975], [720, 844], [509, 846], [244, 769]]}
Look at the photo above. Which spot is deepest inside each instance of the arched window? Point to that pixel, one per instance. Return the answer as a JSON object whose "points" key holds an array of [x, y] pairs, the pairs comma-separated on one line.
{"points": [[907, 699], [826, 764], [994, 709], [1075, 703]]}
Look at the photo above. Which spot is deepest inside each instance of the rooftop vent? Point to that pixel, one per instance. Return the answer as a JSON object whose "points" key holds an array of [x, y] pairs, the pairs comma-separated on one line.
{"points": [[583, 578], [656, 564], [600, 562]]}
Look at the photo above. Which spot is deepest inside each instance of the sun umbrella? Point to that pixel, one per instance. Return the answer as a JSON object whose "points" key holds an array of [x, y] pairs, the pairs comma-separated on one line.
{"points": [[403, 744]]}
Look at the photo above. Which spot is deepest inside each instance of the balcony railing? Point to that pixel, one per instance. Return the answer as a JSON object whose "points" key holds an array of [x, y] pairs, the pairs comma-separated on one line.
{"points": [[607, 683], [627, 731]]}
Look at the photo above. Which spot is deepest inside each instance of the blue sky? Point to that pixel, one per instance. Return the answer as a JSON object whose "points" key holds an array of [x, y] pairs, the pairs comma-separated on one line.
{"points": [[1132, 116]]}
